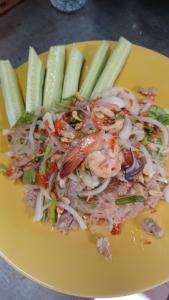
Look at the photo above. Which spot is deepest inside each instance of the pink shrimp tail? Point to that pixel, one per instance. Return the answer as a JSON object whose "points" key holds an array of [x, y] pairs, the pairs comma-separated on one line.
{"points": [[88, 144]]}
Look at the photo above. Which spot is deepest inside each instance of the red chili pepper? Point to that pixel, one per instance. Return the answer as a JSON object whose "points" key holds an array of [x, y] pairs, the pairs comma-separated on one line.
{"points": [[52, 166], [29, 164], [59, 126], [146, 115], [116, 229], [128, 159], [46, 123], [153, 210], [42, 131], [42, 179], [113, 142], [131, 102], [8, 172]]}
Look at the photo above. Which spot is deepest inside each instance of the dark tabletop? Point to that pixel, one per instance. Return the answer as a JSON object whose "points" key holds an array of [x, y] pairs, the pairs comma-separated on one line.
{"points": [[37, 23]]}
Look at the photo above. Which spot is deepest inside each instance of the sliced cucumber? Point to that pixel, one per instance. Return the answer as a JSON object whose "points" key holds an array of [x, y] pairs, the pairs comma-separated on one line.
{"points": [[72, 74], [11, 92], [54, 76], [95, 69], [35, 78], [113, 66]]}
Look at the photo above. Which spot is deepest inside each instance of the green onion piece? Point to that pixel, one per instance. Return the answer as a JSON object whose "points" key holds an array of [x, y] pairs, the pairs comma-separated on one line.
{"points": [[42, 137], [126, 200], [29, 176], [3, 168], [53, 204], [43, 165]]}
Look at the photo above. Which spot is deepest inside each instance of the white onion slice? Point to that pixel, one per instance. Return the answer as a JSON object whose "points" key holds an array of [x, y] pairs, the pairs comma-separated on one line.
{"points": [[39, 207], [48, 117], [7, 132], [112, 100], [149, 164], [96, 191], [127, 130], [74, 213], [158, 124]]}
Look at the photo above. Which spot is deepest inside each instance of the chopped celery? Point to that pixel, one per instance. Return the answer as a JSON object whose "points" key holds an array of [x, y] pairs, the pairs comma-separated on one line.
{"points": [[11, 92], [54, 76], [35, 78], [95, 69], [72, 74], [43, 165], [113, 66]]}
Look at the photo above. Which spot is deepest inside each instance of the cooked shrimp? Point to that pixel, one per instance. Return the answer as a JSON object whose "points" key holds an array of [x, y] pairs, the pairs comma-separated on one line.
{"points": [[76, 155], [103, 114], [107, 161]]}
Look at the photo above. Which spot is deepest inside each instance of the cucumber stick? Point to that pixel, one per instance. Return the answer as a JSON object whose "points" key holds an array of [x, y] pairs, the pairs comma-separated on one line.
{"points": [[11, 92], [113, 66], [35, 78], [72, 74], [54, 76], [95, 70]]}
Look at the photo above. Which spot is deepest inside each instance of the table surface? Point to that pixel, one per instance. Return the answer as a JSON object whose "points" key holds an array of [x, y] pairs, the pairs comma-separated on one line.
{"points": [[37, 23]]}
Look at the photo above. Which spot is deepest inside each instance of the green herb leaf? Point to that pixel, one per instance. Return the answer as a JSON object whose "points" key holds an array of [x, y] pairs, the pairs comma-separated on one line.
{"points": [[43, 165], [126, 200], [29, 176], [148, 129], [159, 141], [82, 134], [160, 114], [25, 118], [53, 204], [3, 168]]}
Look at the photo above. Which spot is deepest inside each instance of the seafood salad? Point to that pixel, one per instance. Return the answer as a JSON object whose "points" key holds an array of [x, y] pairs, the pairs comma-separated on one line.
{"points": [[100, 162]]}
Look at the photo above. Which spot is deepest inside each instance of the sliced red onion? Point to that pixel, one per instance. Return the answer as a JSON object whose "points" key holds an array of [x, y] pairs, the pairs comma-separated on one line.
{"points": [[158, 124], [9, 153], [166, 193], [96, 191], [75, 214], [39, 207]]}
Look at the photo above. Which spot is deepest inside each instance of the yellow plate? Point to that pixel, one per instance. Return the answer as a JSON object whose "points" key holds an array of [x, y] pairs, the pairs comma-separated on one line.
{"points": [[71, 264]]}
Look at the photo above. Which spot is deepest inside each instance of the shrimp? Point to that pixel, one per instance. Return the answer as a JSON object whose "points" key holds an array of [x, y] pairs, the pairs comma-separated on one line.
{"points": [[76, 155], [106, 162], [103, 114]]}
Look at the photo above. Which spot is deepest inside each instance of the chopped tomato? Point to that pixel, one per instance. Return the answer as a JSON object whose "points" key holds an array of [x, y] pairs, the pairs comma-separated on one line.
{"points": [[116, 229], [52, 167], [42, 179], [59, 126], [8, 172]]}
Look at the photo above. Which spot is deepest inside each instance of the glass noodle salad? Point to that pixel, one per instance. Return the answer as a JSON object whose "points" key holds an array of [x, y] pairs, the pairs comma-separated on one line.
{"points": [[100, 162], [93, 157]]}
